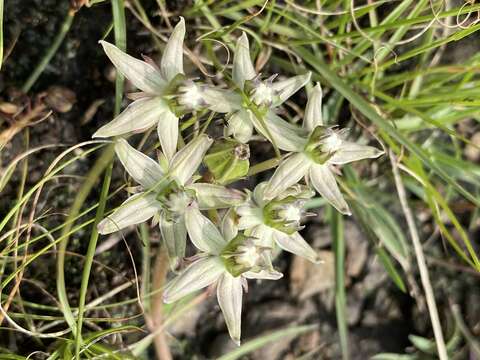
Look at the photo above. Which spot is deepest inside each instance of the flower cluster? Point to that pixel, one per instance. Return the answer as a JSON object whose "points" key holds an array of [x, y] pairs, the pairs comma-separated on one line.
{"points": [[255, 224]]}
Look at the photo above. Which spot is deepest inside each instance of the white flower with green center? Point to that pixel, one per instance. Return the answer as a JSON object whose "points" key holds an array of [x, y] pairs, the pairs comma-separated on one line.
{"points": [[167, 192], [316, 155], [254, 107], [165, 93], [277, 221], [227, 259]]}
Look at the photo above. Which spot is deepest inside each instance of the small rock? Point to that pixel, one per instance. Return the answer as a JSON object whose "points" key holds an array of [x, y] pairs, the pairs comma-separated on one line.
{"points": [[60, 98], [8, 108], [472, 151], [307, 279]]}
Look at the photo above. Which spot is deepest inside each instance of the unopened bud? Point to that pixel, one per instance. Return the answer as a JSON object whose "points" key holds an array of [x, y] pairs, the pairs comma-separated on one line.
{"points": [[227, 160]]}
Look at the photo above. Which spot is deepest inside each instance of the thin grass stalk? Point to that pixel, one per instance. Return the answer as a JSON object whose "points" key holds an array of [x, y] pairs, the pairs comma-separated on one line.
{"points": [[102, 162], [92, 245], [422, 264], [120, 32], [64, 29], [337, 229]]}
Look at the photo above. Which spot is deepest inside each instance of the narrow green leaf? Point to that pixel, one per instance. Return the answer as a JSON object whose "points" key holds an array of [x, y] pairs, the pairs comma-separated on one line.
{"points": [[390, 269], [337, 229], [367, 110]]}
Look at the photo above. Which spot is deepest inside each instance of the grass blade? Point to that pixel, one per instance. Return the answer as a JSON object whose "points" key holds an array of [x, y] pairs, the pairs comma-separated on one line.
{"points": [[340, 297], [92, 245], [367, 110]]}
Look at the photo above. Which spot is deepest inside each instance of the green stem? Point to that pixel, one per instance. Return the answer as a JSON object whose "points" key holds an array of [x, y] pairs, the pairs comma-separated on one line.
{"points": [[340, 298], [67, 23], [118, 10], [102, 162], [264, 166], [92, 245]]}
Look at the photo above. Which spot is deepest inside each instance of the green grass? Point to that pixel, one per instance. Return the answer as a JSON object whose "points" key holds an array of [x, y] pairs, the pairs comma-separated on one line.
{"points": [[387, 74]]}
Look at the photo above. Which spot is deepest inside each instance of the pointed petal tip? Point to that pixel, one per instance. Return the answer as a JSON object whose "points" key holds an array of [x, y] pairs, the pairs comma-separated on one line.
{"points": [[101, 133], [379, 153], [236, 341], [101, 227], [181, 24], [166, 298], [106, 45]]}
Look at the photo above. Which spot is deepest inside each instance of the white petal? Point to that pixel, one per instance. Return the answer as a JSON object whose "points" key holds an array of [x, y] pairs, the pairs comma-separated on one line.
{"points": [[242, 63], [263, 233], [144, 170], [250, 216], [167, 131], [172, 59], [203, 233], [269, 273], [286, 136], [313, 110], [350, 151], [188, 159], [229, 226], [198, 275], [240, 125], [259, 194], [174, 234], [286, 88], [229, 294], [263, 275], [135, 210], [324, 182], [143, 75], [288, 173], [139, 116], [296, 245], [220, 100], [211, 196]]}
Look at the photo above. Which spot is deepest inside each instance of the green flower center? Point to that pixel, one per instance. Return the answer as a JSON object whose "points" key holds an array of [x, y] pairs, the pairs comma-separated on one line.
{"points": [[284, 215], [243, 254], [322, 144], [175, 199]]}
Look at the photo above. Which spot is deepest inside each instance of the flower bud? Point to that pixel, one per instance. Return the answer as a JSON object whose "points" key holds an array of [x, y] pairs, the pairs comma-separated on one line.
{"points": [[227, 160]]}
